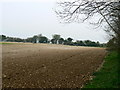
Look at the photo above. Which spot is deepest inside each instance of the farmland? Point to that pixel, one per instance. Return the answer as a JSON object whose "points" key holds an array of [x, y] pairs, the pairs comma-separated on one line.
{"points": [[48, 66]]}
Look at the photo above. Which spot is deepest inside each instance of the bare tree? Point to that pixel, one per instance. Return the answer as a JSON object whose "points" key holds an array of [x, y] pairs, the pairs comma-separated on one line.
{"points": [[109, 12]]}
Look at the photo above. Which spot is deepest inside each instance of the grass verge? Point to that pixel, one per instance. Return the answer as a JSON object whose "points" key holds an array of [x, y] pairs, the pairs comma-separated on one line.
{"points": [[108, 75], [6, 43]]}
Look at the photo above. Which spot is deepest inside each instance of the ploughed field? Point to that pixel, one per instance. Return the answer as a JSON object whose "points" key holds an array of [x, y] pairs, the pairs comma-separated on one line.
{"points": [[48, 66]]}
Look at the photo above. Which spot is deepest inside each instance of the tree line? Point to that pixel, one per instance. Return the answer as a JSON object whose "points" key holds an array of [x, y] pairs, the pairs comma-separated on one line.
{"points": [[56, 39]]}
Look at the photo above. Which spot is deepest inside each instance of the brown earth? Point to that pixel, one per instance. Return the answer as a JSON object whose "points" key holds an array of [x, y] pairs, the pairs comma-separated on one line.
{"points": [[48, 66]]}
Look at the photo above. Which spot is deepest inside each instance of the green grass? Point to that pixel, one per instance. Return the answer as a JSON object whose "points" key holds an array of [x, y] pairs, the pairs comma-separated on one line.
{"points": [[108, 76], [6, 43]]}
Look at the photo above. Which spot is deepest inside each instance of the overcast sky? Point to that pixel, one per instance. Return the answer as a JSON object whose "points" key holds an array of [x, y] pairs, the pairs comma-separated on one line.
{"points": [[25, 19]]}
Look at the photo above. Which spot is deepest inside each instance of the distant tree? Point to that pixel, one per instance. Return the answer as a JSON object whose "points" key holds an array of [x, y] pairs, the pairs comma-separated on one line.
{"points": [[35, 39], [87, 42], [61, 41], [11, 39], [2, 37], [79, 43], [98, 44], [43, 39], [69, 39], [29, 40], [18, 40], [38, 39], [53, 41], [48, 41], [91, 43], [56, 37], [65, 42], [75, 43]]}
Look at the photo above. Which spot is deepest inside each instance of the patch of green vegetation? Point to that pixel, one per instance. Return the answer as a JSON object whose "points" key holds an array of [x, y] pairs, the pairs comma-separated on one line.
{"points": [[108, 76], [6, 43]]}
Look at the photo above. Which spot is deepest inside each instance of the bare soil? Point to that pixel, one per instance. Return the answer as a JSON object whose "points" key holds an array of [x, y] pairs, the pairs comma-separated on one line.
{"points": [[48, 66]]}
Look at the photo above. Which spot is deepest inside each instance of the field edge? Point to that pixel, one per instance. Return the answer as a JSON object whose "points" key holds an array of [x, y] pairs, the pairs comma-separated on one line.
{"points": [[108, 75]]}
